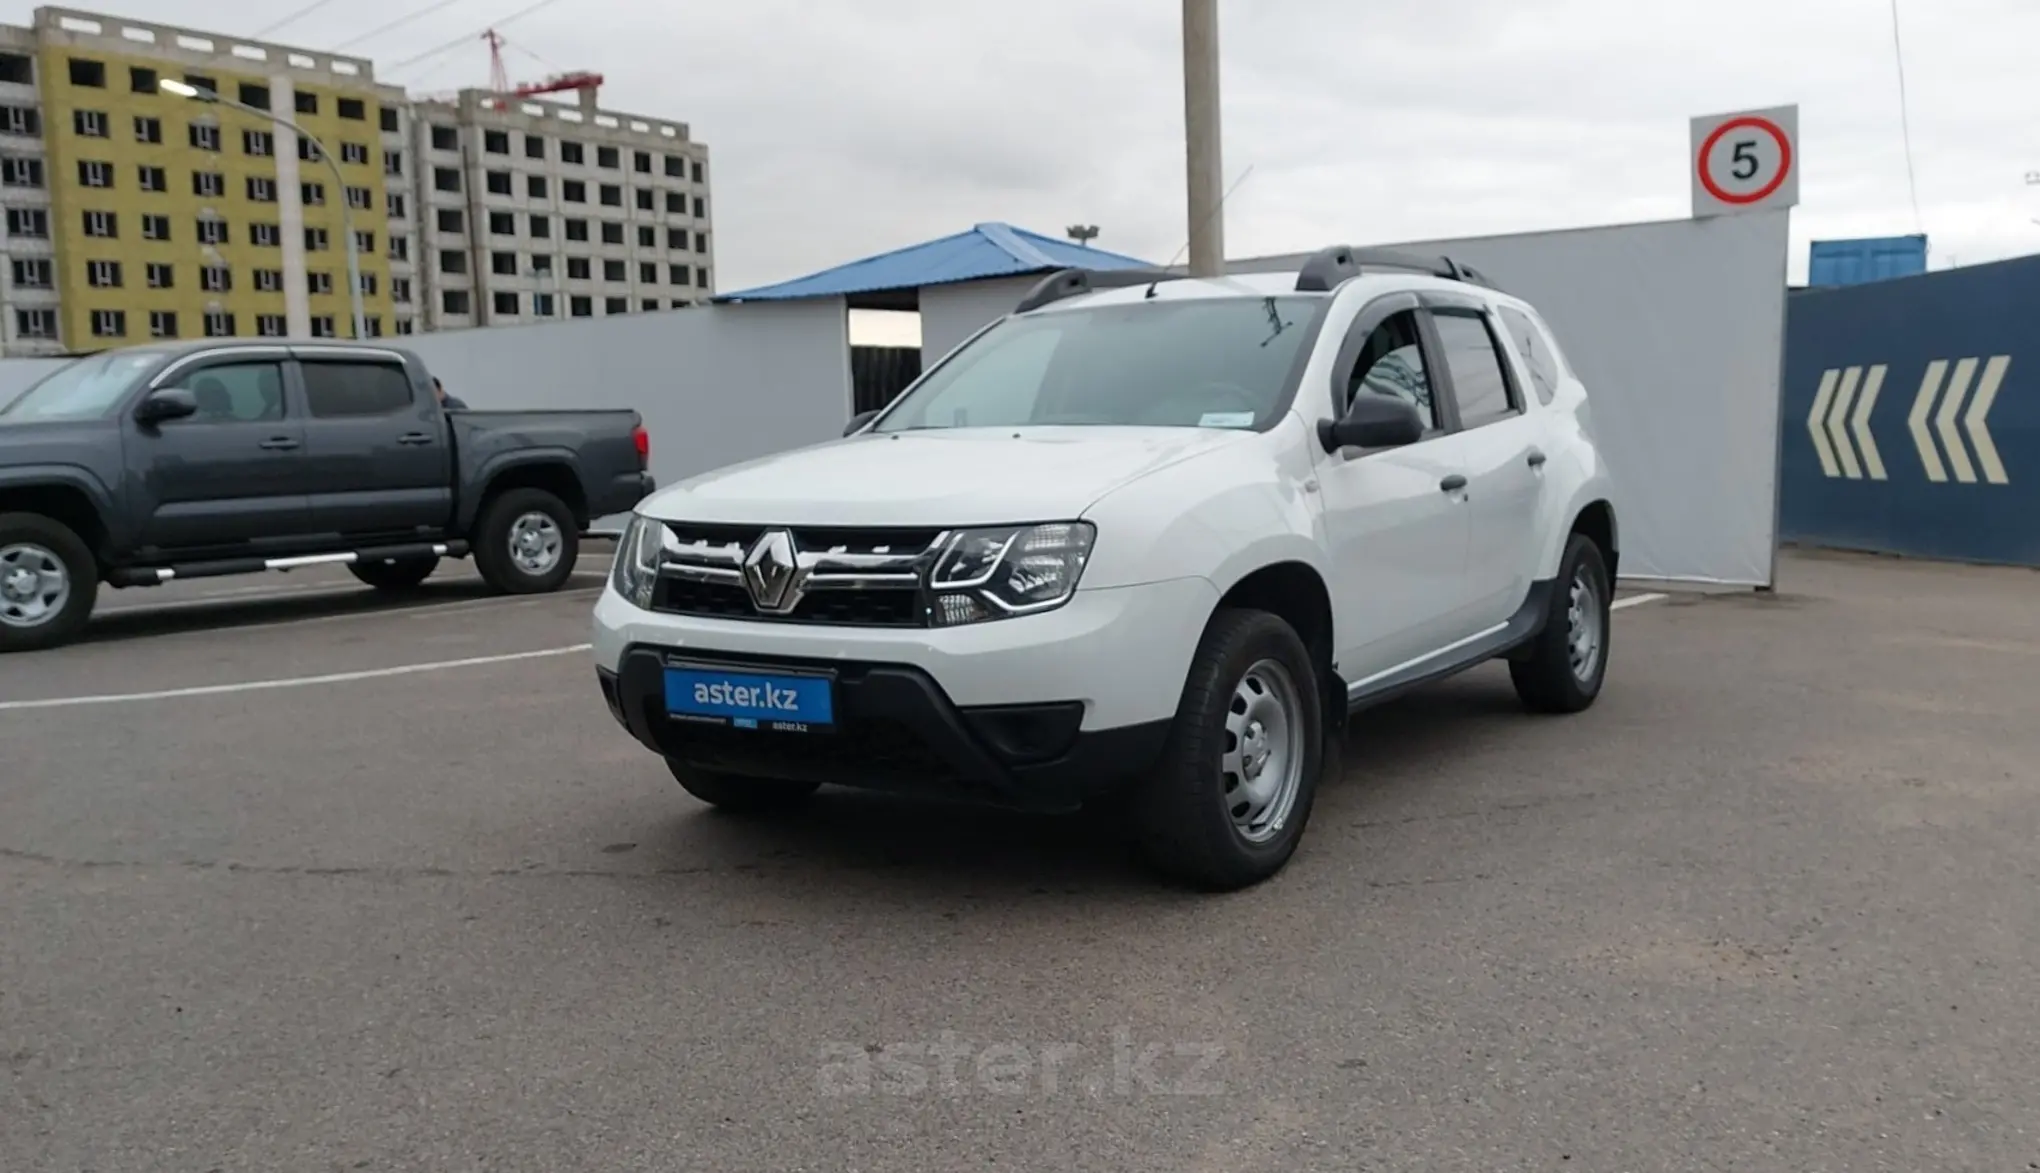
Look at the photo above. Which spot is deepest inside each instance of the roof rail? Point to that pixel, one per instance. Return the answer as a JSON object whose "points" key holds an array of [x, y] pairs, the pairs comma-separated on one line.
{"points": [[1071, 282], [1327, 267]]}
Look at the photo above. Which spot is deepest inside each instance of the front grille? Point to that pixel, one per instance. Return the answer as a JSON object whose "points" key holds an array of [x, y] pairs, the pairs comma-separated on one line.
{"points": [[851, 577]]}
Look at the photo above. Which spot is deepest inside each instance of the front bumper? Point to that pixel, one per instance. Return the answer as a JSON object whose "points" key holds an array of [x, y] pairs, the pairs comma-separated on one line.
{"points": [[1037, 712], [897, 731]]}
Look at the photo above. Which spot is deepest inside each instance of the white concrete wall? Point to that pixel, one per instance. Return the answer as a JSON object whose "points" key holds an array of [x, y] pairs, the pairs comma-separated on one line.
{"points": [[952, 313], [715, 384]]}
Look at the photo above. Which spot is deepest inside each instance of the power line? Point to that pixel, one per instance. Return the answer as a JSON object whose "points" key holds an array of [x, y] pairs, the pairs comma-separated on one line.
{"points": [[1905, 119], [292, 19], [400, 22], [469, 38]]}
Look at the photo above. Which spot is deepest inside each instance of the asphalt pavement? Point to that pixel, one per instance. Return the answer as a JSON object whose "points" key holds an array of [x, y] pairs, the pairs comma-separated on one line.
{"points": [[293, 878]]}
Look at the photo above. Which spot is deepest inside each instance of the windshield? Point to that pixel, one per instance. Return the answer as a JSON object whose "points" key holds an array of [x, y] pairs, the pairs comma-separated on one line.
{"points": [[1210, 363], [83, 390]]}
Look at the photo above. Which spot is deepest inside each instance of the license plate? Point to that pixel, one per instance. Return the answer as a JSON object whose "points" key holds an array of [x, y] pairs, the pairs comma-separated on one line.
{"points": [[785, 702]]}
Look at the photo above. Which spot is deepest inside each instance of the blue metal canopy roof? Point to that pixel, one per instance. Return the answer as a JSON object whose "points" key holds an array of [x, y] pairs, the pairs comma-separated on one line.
{"points": [[987, 250]]}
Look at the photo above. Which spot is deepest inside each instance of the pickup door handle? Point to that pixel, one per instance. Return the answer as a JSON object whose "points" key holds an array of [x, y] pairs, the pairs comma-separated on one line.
{"points": [[1453, 483], [415, 438], [1536, 458], [279, 443]]}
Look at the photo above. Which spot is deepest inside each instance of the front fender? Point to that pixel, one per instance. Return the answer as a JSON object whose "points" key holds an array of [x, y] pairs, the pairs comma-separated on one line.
{"points": [[68, 476]]}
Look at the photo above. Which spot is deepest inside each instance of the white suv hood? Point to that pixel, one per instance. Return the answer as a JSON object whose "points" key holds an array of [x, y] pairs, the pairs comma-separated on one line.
{"points": [[946, 477]]}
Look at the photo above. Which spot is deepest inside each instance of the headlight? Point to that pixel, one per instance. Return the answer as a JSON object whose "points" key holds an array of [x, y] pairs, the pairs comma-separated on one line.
{"points": [[637, 560], [1008, 570]]}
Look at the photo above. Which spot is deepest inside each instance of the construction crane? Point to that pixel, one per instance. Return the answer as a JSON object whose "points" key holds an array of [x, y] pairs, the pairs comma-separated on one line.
{"points": [[558, 83]]}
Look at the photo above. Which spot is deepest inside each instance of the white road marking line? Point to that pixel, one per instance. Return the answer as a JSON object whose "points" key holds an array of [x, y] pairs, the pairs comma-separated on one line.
{"points": [[290, 681], [224, 601], [1637, 600], [503, 601]]}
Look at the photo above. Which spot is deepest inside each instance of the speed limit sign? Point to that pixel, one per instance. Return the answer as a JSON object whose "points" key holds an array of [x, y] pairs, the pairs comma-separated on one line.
{"points": [[1746, 161]]}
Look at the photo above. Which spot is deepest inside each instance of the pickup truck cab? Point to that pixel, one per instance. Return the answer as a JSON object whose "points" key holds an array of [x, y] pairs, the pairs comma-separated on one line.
{"points": [[1138, 547], [136, 466]]}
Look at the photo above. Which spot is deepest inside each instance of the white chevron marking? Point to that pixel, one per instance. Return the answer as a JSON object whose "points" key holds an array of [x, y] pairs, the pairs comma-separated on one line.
{"points": [[1944, 421], [1916, 421], [1873, 461], [1817, 418], [1978, 416], [1837, 421]]}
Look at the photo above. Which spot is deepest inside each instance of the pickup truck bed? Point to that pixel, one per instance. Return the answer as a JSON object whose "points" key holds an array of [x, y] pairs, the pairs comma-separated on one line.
{"points": [[137, 466]]}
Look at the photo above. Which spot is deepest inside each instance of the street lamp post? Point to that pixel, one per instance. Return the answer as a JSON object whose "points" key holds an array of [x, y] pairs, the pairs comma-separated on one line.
{"points": [[184, 90]]}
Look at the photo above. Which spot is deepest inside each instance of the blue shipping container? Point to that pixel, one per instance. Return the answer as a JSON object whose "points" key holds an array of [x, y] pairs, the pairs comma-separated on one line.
{"points": [[1871, 258]]}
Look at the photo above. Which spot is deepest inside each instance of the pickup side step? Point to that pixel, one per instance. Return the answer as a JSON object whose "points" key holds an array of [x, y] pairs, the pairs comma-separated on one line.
{"points": [[157, 575]]}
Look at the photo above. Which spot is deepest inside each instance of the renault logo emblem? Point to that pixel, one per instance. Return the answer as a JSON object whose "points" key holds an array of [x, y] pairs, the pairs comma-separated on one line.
{"points": [[772, 573]]}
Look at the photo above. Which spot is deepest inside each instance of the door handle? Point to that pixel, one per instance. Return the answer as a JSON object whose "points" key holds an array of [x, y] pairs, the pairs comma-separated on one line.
{"points": [[1536, 458], [1453, 483], [279, 443], [415, 438]]}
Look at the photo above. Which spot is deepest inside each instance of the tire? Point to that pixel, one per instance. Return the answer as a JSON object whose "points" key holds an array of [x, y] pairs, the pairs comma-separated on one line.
{"points": [[48, 582], [739, 794], [394, 574], [1195, 816], [512, 517], [1569, 658]]}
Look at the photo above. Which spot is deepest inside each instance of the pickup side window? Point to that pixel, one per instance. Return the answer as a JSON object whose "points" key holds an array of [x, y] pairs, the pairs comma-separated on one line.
{"points": [[1480, 383], [1391, 362], [234, 393], [338, 390]]}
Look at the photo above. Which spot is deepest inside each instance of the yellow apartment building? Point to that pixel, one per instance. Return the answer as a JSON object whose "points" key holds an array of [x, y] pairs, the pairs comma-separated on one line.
{"points": [[134, 214]]}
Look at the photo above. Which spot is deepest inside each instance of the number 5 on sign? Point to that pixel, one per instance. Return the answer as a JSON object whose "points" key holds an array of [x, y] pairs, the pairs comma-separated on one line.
{"points": [[1745, 161]]}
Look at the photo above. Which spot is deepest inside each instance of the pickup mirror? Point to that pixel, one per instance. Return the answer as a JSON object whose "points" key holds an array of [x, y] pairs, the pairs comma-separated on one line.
{"points": [[1373, 421], [168, 403], [858, 421]]}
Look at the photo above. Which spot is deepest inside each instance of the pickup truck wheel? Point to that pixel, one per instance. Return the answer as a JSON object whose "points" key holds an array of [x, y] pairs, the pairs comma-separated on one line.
{"points": [[48, 581], [526, 542], [739, 794], [1227, 804], [394, 574], [1567, 661]]}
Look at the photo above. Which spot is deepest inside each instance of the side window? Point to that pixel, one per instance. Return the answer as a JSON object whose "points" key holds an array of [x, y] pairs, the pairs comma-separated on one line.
{"points": [[1536, 351], [235, 392], [1391, 362], [1478, 382], [337, 390]]}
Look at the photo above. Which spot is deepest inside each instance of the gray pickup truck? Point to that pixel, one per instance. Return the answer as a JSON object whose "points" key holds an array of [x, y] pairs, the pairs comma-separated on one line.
{"points": [[136, 466]]}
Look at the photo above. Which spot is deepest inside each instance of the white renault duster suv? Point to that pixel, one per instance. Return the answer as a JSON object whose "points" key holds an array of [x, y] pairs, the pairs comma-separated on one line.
{"points": [[1146, 539]]}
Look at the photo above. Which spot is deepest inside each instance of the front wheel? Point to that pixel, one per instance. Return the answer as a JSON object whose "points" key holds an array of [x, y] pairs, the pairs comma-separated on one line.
{"points": [[48, 582], [737, 794], [1227, 803], [526, 542]]}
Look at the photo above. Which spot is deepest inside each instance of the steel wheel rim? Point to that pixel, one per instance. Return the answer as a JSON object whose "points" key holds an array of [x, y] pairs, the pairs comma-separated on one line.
{"points": [[34, 586], [1262, 765], [535, 542], [1584, 619]]}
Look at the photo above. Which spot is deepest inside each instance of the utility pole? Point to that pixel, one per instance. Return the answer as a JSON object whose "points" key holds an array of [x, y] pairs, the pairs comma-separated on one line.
{"points": [[1206, 171]]}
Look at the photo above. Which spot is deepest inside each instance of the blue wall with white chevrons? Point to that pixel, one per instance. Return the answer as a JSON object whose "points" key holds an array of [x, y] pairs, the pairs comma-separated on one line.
{"points": [[1912, 415]]}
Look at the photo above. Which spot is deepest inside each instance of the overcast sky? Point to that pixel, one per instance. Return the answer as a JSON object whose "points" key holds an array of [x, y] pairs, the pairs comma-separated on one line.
{"points": [[840, 128]]}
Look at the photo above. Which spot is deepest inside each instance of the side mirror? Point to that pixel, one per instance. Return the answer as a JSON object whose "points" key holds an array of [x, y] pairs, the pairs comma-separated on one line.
{"points": [[169, 403], [858, 421], [1373, 421]]}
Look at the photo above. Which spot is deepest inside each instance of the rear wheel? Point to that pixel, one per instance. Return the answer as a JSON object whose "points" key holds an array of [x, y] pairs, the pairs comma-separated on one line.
{"points": [[1568, 660], [48, 581], [395, 574], [526, 542], [732, 792], [1228, 802]]}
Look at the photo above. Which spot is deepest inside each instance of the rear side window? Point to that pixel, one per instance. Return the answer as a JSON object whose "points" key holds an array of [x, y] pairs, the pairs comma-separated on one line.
{"points": [[242, 392], [342, 389], [1478, 383], [1535, 347]]}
